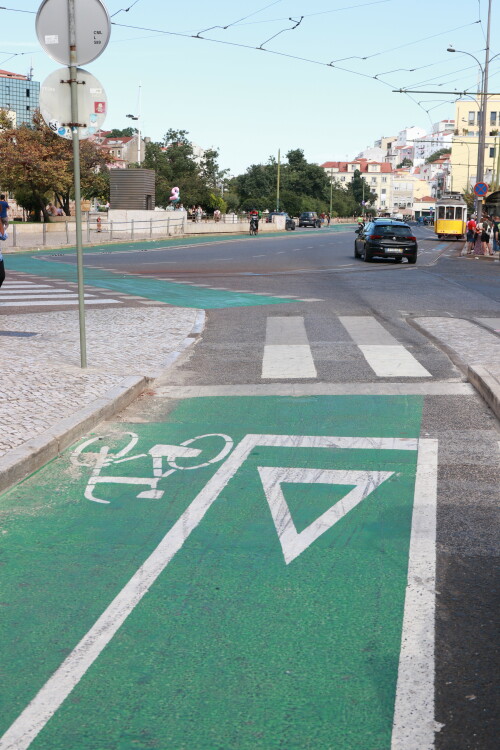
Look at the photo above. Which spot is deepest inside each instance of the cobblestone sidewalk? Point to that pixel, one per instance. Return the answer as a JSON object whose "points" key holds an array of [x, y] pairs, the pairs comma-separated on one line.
{"points": [[41, 379]]}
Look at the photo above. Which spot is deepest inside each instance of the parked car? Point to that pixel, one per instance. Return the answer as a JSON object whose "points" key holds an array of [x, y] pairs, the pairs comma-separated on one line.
{"points": [[385, 238], [289, 222], [309, 219]]}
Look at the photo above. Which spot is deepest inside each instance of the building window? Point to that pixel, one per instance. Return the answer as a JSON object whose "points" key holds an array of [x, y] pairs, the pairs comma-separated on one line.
{"points": [[492, 153], [27, 92], [383, 191], [374, 180], [472, 118], [384, 179], [493, 118], [342, 179], [27, 108]]}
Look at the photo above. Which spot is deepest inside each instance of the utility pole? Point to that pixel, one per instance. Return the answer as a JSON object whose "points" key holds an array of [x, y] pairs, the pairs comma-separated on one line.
{"points": [[278, 182], [482, 122], [331, 191], [76, 170]]}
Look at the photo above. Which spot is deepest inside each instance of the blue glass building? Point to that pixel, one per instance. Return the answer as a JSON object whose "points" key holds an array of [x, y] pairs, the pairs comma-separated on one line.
{"points": [[19, 94]]}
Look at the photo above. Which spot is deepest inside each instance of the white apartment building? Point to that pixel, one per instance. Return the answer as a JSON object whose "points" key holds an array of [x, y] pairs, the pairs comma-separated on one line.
{"points": [[378, 176]]}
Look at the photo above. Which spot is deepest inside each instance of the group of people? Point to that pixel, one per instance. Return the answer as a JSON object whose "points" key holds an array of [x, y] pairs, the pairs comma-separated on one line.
{"points": [[483, 236], [196, 213], [54, 210], [325, 218]]}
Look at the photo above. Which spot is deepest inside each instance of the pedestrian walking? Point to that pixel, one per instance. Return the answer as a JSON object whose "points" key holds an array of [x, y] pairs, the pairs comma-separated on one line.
{"points": [[198, 214], [2, 270], [328, 219], [496, 234], [478, 244], [485, 237], [99, 224], [471, 235], [4, 216]]}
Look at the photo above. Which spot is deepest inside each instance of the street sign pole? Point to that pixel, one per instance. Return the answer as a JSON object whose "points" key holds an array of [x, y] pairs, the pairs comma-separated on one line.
{"points": [[76, 171]]}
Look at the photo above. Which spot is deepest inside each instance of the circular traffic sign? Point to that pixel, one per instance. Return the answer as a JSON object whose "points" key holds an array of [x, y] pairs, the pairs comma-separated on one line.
{"points": [[92, 28], [55, 103], [480, 188]]}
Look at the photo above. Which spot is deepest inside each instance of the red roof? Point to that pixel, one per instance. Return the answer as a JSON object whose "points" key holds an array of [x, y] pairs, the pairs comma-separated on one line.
{"points": [[116, 141], [361, 164], [425, 199], [8, 74]]}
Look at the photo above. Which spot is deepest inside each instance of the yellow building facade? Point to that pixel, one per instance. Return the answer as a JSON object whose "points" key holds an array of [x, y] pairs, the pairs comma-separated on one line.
{"points": [[465, 143]]}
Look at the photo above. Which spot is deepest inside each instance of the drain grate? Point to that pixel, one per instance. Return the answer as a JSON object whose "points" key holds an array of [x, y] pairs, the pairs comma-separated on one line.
{"points": [[18, 334]]}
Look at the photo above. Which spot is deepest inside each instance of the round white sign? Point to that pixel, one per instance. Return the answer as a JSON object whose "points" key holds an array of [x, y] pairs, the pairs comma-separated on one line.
{"points": [[55, 103], [92, 28]]}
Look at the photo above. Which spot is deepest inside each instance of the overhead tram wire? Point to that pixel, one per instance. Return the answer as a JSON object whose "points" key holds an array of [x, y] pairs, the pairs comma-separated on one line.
{"points": [[124, 10], [235, 23], [251, 47]]}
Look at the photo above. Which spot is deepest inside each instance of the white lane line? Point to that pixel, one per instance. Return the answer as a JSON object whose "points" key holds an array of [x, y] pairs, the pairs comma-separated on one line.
{"points": [[55, 302], [23, 286], [413, 725], [42, 295], [282, 358], [386, 357], [29, 293], [258, 256]]}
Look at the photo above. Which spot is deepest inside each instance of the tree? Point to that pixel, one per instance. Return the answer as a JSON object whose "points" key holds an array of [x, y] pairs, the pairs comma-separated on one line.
{"points": [[405, 163], [123, 133], [34, 162], [36, 165], [360, 190], [435, 156]]}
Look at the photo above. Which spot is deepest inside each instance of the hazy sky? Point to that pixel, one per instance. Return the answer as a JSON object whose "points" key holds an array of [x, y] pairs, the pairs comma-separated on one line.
{"points": [[248, 102]]}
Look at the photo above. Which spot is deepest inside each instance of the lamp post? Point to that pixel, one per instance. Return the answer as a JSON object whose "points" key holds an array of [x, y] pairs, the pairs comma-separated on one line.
{"points": [[482, 109], [138, 119], [331, 190]]}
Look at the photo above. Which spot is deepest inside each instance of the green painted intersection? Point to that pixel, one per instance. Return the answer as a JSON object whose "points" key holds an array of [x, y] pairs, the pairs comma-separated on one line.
{"points": [[169, 292], [231, 648]]}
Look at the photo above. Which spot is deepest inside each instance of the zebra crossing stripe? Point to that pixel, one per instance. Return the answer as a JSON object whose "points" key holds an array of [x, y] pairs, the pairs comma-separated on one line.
{"points": [[282, 358], [386, 357]]}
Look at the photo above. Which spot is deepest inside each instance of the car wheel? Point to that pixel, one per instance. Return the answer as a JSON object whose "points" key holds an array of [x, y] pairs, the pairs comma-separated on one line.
{"points": [[366, 256], [356, 254], [292, 227], [412, 259]]}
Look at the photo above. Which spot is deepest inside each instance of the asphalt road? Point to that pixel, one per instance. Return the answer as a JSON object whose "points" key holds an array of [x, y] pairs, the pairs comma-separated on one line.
{"points": [[263, 632]]}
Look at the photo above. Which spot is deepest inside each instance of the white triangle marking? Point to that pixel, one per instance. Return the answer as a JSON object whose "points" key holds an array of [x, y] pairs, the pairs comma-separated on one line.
{"points": [[292, 542]]}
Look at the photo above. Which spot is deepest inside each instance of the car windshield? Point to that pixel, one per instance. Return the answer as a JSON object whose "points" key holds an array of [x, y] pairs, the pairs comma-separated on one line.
{"points": [[388, 230]]}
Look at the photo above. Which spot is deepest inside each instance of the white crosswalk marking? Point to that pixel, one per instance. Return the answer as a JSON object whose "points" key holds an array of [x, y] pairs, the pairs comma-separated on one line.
{"points": [[30, 294], [384, 354], [287, 353]]}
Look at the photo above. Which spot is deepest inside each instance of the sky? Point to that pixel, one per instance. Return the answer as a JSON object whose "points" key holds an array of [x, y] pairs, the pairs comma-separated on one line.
{"points": [[231, 89]]}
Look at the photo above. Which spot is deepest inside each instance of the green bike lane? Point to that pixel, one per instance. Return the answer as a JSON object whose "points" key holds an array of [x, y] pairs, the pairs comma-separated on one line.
{"points": [[159, 290], [233, 575]]}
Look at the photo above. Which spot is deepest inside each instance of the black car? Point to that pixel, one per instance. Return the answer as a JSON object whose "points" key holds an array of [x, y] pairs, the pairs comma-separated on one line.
{"points": [[309, 219], [289, 222], [386, 239]]}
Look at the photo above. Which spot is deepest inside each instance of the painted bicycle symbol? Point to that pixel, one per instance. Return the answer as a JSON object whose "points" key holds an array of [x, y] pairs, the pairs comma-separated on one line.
{"points": [[159, 454]]}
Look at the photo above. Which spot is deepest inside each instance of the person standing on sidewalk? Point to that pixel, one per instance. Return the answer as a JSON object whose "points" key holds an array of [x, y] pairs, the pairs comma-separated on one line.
{"points": [[4, 217], [2, 270], [496, 234], [485, 237], [471, 234]]}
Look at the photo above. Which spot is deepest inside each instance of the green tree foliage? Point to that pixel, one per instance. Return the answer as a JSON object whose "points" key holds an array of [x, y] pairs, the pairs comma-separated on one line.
{"points": [[435, 156], [199, 181], [123, 133], [303, 187], [36, 165], [360, 190], [405, 163]]}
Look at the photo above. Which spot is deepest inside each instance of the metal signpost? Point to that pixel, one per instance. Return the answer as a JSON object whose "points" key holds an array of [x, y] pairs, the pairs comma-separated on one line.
{"points": [[75, 32]]}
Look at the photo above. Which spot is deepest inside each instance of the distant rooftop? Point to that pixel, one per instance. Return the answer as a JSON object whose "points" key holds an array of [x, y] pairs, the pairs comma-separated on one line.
{"points": [[17, 76]]}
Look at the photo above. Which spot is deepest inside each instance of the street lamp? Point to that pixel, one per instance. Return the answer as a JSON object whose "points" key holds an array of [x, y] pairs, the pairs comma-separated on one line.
{"points": [[137, 118], [482, 109]]}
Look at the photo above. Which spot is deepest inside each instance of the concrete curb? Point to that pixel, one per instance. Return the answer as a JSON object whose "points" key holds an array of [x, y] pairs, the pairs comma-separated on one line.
{"points": [[27, 458], [479, 376], [487, 384]]}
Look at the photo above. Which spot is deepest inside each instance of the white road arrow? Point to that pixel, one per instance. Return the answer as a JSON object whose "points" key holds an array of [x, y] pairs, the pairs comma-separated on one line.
{"points": [[292, 542]]}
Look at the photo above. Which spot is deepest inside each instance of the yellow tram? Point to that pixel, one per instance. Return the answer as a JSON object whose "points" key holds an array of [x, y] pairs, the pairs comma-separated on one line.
{"points": [[450, 218]]}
